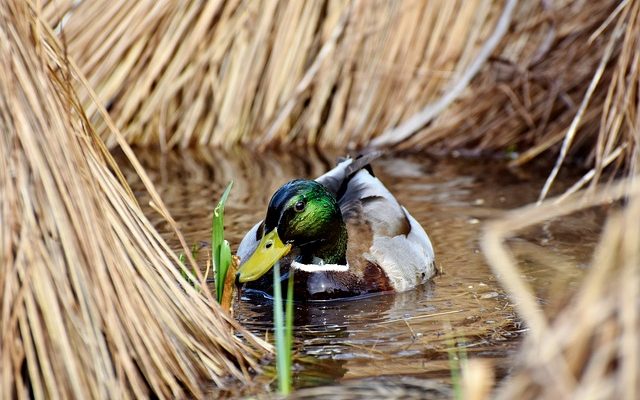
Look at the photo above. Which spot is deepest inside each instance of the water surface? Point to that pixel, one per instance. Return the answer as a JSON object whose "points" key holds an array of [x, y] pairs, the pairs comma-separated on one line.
{"points": [[392, 335]]}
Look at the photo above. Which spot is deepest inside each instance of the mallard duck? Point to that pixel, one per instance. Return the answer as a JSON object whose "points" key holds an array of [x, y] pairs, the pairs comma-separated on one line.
{"points": [[344, 234]]}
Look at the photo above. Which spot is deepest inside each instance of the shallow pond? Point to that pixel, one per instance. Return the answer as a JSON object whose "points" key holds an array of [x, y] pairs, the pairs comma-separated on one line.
{"points": [[401, 335]]}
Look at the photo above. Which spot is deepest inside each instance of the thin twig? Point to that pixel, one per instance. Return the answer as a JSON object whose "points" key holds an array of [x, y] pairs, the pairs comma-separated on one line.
{"points": [[571, 132]]}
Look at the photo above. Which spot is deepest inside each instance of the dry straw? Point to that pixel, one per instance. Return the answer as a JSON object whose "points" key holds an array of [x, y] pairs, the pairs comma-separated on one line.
{"points": [[589, 348], [91, 303], [263, 72], [563, 77], [344, 73]]}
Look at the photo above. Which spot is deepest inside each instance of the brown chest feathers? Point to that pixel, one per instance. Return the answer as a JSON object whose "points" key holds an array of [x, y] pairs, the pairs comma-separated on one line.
{"points": [[337, 284], [362, 277]]}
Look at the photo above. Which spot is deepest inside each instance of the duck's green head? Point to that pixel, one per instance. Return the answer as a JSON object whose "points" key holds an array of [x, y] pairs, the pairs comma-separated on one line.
{"points": [[303, 218]]}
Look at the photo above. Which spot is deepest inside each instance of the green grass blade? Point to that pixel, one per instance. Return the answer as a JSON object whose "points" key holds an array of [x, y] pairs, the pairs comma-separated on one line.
{"points": [[225, 261], [289, 324], [282, 353], [457, 358], [194, 253], [183, 273], [218, 250]]}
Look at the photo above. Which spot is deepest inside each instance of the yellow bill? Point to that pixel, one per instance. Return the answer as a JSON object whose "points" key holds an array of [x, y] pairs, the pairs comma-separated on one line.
{"points": [[269, 251]]}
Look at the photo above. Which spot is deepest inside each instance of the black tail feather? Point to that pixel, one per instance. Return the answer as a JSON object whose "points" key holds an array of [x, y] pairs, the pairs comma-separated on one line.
{"points": [[362, 161]]}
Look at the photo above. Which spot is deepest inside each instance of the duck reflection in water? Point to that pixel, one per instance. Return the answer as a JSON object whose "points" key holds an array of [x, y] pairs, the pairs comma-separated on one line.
{"points": [[325, 328]]}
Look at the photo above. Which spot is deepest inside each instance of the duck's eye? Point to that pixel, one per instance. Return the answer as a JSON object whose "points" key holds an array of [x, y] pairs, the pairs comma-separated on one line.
{"points": [[299, 206]]}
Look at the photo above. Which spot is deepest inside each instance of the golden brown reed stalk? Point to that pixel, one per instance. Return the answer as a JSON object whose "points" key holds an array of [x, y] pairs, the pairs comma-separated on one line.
{"points": [[230, 290], [91, 303], [589, 348], [341, 73], [242, 71]]}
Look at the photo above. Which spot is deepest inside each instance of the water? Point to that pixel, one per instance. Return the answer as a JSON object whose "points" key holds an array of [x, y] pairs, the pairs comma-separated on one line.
{"points": [[399, 335]]}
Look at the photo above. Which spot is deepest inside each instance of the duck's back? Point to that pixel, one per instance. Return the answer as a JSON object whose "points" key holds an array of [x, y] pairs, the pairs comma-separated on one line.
{"points": [[382, 233]]}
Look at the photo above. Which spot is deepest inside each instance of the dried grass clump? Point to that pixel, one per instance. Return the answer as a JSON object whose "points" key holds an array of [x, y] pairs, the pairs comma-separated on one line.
{"points": [[480, 75], [91, 305], [590, 348], [221, 73]]}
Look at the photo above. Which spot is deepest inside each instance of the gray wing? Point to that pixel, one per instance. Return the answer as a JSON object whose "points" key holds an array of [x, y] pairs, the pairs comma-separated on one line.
{"points": [[367, 199], [361, 196]]}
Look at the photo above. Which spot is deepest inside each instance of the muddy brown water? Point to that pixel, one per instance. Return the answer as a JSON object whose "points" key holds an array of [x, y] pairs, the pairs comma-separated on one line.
{"points": [[389, 335]]}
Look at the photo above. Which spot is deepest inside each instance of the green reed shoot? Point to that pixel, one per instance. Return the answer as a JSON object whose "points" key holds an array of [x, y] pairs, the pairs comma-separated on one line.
{"points": [[220, 249], [283, 334], [183, 272], [289, 321], [457, 359]]}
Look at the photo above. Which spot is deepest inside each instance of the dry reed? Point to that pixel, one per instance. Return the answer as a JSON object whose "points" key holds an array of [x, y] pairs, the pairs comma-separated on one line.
{"points": [[344, 73], [92, 305], [328, 72], [564, 78], [589, 348]]}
